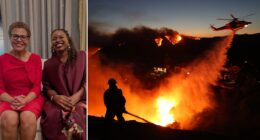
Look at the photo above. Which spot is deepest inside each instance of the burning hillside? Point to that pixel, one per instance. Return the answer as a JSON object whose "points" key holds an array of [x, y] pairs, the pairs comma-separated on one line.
{"points": [[184, 96], [98, 130]]}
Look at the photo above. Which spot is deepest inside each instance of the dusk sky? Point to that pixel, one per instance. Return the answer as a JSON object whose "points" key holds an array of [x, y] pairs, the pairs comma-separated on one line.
{"points": [[189, 17]]}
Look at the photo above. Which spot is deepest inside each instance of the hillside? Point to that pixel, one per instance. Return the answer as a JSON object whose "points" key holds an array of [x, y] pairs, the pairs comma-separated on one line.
{"points": [[132, 130]]}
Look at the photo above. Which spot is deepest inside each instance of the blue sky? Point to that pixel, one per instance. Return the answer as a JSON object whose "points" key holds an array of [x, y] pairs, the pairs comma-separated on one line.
{"points": [[190, 17]]}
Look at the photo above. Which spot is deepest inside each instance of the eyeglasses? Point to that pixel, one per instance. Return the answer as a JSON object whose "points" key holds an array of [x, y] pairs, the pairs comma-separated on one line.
{"points": [[16, 37]]}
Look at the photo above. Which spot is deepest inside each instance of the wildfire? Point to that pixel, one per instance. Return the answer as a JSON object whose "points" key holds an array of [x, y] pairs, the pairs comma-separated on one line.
{"points": [[172, 39], [181, 100], [93, 50], [178, 38], [165, 116], [158, 41]]}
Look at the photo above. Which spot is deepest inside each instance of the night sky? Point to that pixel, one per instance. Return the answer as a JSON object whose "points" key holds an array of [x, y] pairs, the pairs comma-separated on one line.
{"points": [[189, 17]]}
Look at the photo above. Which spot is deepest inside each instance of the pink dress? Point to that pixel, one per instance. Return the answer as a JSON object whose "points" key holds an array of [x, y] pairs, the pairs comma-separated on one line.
{"points": [[19, 78]]}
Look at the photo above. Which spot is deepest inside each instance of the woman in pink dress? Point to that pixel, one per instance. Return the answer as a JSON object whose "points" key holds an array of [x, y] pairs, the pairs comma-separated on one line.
{"points": [[20, 86], [64, 82]]}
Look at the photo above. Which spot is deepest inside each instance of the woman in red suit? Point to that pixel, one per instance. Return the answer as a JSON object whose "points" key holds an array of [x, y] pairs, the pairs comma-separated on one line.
{"points": [[64, 82], [20, 86]]}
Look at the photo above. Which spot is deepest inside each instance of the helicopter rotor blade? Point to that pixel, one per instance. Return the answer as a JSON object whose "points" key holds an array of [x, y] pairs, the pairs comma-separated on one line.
{"points": [[247, 15], [223, 19], [232, 16]]}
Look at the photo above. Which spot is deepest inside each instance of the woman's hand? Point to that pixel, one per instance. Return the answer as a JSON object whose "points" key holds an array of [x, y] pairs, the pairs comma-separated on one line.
{"points": [[63, 101], [74, 99], [18, 102]]}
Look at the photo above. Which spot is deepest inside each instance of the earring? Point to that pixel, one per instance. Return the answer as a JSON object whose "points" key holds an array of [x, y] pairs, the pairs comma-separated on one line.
{"points": [[69, 47], [52, 50]]}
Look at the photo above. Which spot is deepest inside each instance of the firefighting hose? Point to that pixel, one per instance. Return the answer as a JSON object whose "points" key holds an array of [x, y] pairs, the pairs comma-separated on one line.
{"points": [[131, 114]]}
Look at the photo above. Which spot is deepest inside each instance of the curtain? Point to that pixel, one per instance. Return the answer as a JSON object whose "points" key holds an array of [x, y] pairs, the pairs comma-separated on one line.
{"points": [[42, 16], [82, 24]]}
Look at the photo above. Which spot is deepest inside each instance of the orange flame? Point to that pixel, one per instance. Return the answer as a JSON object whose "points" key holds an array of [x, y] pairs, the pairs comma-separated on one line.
{"points": [[165, 116], [158, 41], [178, 38], [179, 99], [174, 39]]}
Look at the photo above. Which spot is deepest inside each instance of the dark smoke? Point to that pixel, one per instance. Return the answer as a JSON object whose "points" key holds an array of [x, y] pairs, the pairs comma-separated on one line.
{"points": [[140, 37], [97, 39]]}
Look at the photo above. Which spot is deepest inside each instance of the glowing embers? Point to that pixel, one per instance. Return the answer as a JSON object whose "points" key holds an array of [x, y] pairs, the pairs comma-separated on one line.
{"points": [[165, 115]]}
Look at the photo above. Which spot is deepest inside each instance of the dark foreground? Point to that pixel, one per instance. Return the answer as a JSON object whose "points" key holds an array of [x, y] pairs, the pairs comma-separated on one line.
{"points": [[132, 130]]}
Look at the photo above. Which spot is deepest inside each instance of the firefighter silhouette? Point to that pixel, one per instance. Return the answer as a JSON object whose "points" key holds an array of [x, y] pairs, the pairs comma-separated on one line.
{"points": [[114, 102]]}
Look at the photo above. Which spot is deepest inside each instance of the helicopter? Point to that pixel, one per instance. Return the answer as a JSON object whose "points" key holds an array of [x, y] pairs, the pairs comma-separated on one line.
{"points": [[234, 24]]}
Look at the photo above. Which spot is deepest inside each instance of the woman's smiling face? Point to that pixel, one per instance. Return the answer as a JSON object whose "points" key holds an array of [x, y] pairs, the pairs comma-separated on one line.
{"points": [[60, 41], [19, 39]]}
